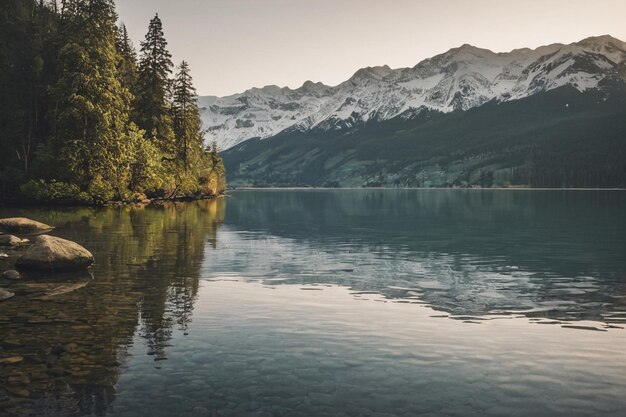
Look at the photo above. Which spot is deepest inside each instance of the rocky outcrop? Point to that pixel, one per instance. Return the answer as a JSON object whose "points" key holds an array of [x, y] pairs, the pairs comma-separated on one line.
{"points": [[22, 225], [50, 253], [10, 240]]}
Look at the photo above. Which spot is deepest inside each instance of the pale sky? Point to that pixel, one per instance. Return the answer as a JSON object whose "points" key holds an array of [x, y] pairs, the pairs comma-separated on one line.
{"points": [[233, 45]]}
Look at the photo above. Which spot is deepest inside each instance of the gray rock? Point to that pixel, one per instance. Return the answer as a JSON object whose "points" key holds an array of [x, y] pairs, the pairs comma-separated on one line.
{"points": [[12, 274], [22, 225], [5, 295], [50, 253], [10, 240], [201, 412]]}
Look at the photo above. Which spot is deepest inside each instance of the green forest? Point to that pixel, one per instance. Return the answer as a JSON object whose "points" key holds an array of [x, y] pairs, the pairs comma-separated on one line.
{"points": [[86, 118]]}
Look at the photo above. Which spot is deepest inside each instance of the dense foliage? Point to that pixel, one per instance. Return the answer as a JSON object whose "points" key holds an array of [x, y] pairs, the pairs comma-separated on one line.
{"points": [[83, 118]]}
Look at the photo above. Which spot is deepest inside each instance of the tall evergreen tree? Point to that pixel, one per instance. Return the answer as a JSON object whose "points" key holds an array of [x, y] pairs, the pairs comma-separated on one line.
{"points": [[127, 64], [186, 117], [216, 179], [152, 109]]}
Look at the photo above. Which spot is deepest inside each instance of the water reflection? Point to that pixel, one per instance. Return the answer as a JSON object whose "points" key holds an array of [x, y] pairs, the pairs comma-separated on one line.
{"points": [[149, 320], [69, 336], [555, 255]]}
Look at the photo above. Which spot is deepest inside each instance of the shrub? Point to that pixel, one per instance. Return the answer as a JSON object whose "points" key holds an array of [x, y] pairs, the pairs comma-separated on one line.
{"points": [[100, 191], [41, 190]]}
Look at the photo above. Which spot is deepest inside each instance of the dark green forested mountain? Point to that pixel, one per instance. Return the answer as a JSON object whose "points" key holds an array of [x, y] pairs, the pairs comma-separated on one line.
{"points": [[558, 138], [83, 117]]}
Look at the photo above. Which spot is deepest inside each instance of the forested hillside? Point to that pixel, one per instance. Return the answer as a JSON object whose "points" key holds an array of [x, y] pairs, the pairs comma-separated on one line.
{"points": [[559, 138], [85, 118]]}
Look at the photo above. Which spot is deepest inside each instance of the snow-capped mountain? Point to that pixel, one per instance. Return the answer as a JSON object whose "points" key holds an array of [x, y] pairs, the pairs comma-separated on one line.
{"points": [[460, 79]]}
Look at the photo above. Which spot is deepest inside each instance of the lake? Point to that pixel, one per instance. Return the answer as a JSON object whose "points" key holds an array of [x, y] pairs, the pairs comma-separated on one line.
{"points": [[328, 303]]}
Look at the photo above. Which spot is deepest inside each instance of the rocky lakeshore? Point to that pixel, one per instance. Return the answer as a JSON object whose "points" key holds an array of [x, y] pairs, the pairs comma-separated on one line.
{"points": [[66, 336], [34, 267], [29, 257]]}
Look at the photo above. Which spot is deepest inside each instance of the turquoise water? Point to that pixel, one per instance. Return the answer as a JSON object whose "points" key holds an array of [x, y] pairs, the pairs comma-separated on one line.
{"points": [[330, 302]]}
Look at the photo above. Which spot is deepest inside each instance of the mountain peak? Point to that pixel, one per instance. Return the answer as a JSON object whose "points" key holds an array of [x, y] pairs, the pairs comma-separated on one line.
{"points": [[470, 49], [314, 88], [373, 73], [313, 85], [460, 79], [611, 47], [601, 40]]}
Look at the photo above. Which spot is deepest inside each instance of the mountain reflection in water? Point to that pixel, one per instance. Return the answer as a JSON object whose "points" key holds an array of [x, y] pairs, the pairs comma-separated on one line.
{"points": [[546, 254]]}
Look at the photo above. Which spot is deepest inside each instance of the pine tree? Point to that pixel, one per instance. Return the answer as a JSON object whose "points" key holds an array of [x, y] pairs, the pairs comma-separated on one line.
{"points": [[216, 179], [152, 110], [127, 64], [186, 117]]}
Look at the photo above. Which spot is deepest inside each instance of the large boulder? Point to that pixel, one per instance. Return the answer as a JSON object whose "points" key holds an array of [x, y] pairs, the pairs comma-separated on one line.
{"points": [[5, 295], [11, 274], [10, 240], [50, 253], [23, 226]]}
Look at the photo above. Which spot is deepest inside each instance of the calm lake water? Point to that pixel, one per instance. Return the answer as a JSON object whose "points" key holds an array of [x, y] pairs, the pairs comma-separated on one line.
{"points": [[328, 303]]}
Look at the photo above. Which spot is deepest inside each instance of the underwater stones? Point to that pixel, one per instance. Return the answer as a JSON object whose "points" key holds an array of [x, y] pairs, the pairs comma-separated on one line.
{"points": [[19, 391], [71, 348], [22, 225], [12, 275], [13, 241], [200, 412], [5, 295], [11, 360], [18, 379], [50, 253], [62, 289]]}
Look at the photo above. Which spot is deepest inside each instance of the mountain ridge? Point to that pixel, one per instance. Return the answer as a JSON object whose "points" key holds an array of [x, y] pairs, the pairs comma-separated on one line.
{"points": [[458, 79], [559, 138]]}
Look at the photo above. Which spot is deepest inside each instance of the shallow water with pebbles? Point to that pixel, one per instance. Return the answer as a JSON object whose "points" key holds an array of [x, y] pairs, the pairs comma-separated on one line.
{"points": [[327, 302]]}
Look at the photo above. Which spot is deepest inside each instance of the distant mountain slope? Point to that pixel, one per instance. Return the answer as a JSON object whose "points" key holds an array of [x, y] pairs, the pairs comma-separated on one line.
{"points": [[460, 79], [556, 138]]}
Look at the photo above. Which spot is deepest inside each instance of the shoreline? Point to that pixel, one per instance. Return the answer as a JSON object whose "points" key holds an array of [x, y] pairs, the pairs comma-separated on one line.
{"points": [[423, 188], [161, 201], [72, 203]]}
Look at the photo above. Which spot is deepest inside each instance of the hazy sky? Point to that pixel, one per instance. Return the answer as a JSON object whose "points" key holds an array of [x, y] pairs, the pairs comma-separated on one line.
{"points": [[233, 45]]}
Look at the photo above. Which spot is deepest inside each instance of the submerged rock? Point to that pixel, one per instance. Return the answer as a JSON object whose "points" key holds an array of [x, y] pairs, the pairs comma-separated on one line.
{"points": [[10, 240], [200, 411], [50, 253], [53, 291], [5, 295], [22, 225], [18, 379], [12, 274]]}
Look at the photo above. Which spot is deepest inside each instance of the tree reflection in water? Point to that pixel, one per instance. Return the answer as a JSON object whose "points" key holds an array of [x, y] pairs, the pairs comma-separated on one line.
{"points": [[69, 348]]}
